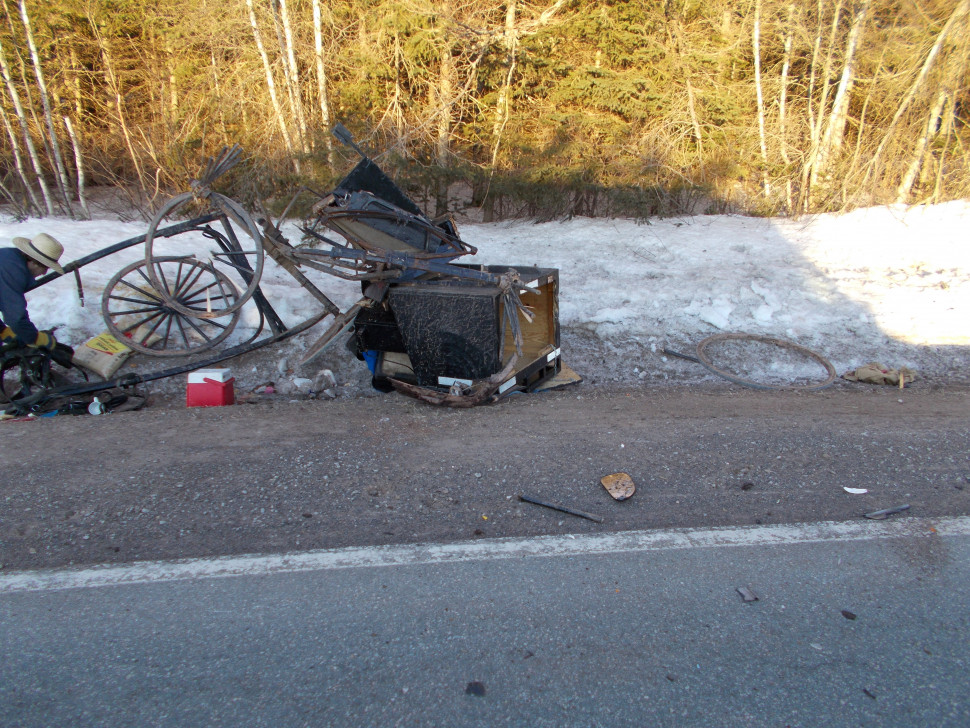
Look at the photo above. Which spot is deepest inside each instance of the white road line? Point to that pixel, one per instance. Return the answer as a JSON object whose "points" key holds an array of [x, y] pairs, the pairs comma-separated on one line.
{"points": [[505, 548]]}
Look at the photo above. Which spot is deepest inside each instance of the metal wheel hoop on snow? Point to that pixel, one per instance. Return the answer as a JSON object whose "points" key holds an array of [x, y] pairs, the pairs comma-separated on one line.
{"points": [[705, 361], [245, 261], [144, 319]]}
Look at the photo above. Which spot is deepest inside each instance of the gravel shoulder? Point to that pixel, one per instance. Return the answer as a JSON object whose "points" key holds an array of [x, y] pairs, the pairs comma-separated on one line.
{"points": [[281, 474]]}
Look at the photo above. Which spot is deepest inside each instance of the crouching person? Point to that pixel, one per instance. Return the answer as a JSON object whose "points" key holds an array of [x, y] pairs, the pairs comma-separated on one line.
{"points": [[19, 267]]}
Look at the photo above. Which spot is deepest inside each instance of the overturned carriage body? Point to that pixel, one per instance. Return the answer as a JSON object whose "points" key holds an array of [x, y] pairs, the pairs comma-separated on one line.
{"points": [[431, 323]]}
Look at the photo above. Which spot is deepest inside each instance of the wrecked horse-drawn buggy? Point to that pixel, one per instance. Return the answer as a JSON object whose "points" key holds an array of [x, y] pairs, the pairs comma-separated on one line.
{"points": [[445, 332]]}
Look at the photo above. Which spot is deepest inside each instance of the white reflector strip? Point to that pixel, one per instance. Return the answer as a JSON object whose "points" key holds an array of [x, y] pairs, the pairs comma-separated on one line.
{"points": [[505, 387], [553, 355]]}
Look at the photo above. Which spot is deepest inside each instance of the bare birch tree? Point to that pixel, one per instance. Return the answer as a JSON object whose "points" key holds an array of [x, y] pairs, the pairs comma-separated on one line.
{"points": [[292, 74], [31, 204], [783, 104], [55, 147], [958, 16], [25, 130], [816, 112], [79, 168], [510, 46], [271, 86], [322, 95], [831, 141], [445, 91], [756, 49]]}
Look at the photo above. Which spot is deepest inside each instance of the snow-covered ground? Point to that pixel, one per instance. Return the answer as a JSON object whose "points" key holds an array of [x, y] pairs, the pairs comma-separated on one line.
{"points": [[879, 284]]}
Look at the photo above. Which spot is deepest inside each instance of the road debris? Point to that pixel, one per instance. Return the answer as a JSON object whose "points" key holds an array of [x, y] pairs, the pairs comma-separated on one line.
{"points": [[855, 491], [746, 594], [619, 485], [876, 373], [703, 358], [848, 615], [564, 509], [881, 515], [475, 688]]}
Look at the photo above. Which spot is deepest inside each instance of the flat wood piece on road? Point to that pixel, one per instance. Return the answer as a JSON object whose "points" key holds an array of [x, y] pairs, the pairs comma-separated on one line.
{"points": [[619, 485]]}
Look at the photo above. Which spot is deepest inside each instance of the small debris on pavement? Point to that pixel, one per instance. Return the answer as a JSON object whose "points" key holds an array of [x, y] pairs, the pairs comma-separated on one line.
{"points": [[619, 485], [855, 491], [746, 594], [747, 485], [475, 688], [564, 509], [881, 515], [847, 614], [868, 694]]}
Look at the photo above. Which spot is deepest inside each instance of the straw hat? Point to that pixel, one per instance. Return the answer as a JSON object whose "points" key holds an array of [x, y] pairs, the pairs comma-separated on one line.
{"points": [[43, 248]]}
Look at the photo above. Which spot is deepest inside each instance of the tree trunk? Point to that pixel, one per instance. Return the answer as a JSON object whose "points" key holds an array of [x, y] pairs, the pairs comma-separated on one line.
{"points": [[55, 146], [79, 166], [445, 94], [958, 13], [75, 83], [19, 209], [322, 81], [219, 97], [919, 153], [173, 90], [831, 141], [948, 120], [756, 49], [399, 125], [31, 202], [510, 43], [28, 142], [816, 115], [293, 76], [271, 86], [783, 106]]}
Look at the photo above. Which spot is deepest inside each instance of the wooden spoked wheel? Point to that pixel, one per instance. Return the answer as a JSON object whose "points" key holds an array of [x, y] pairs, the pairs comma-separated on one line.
{"points": [[144, 316], [235, 250]]}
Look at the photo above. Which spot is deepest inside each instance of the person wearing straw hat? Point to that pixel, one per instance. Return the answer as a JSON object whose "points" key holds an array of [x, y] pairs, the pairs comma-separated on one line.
{"points": [[19, 267]]}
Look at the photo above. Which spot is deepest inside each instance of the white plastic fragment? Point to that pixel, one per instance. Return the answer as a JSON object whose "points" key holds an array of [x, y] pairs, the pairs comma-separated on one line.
{"points": [[855, 491]]}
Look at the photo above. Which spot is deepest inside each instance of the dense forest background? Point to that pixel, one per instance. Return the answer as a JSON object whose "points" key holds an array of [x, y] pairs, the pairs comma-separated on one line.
{"points": [[545, 109]]}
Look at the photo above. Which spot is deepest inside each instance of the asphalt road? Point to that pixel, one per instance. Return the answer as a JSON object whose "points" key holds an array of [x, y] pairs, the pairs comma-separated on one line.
{"points": [[863, 625], [556, 633], [169, 482]]}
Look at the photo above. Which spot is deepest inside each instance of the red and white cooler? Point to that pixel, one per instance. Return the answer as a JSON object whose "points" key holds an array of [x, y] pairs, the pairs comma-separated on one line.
{"points": [[210, 388]]}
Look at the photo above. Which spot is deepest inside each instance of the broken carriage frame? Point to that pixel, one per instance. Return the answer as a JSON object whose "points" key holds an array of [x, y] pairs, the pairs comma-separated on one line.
{"points": [[172, 304]]}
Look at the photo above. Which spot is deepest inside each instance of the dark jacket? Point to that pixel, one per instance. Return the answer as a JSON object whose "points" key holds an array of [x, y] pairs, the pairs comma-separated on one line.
{"points": [[15, 279]]}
